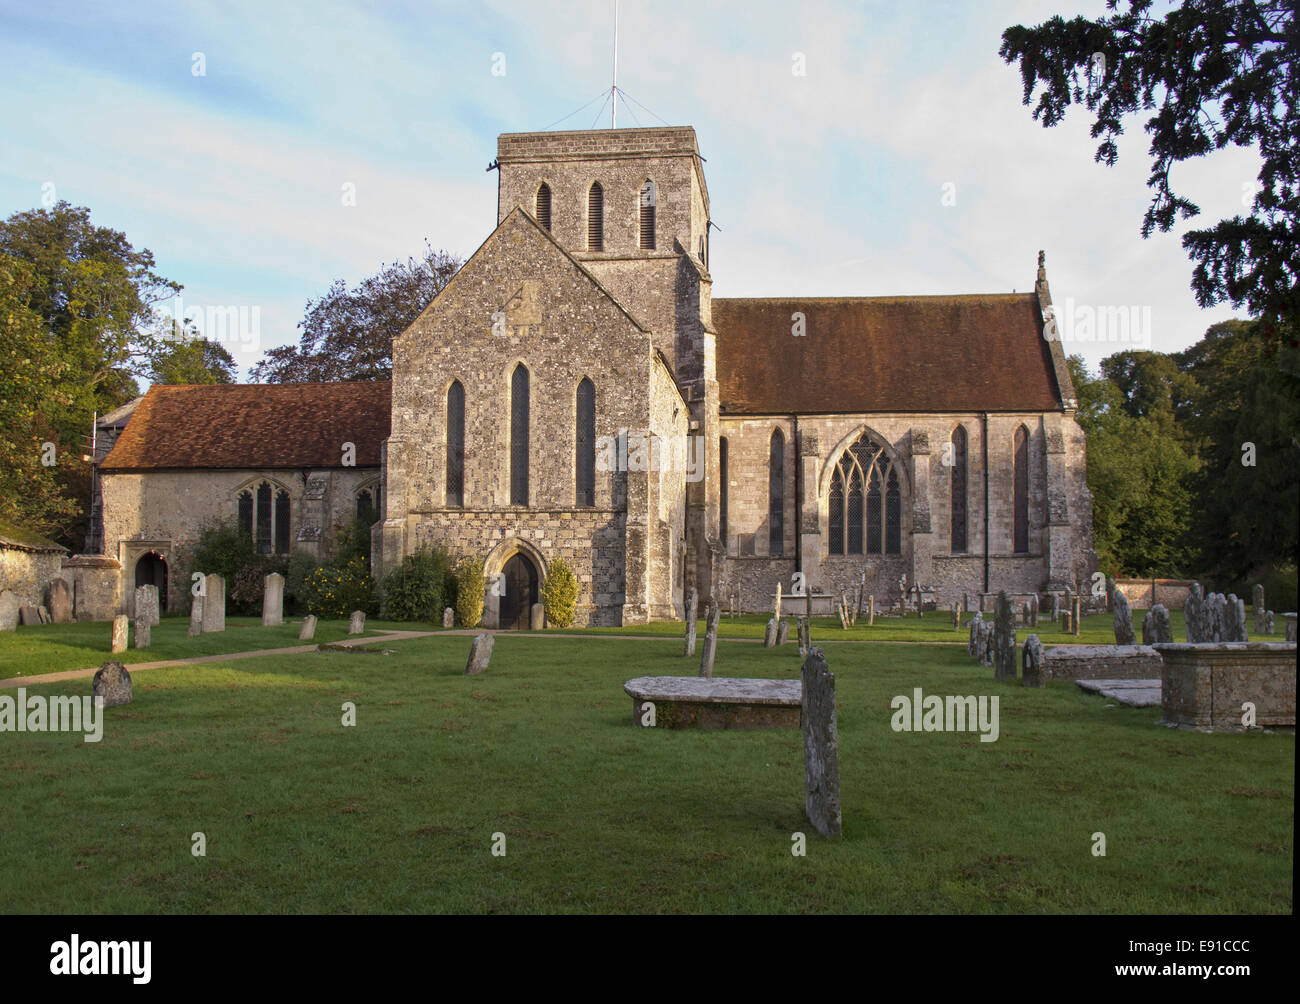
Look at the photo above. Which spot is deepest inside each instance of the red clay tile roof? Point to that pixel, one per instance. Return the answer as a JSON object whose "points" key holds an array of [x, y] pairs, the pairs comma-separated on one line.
{"points": [[254, 425], [884, 354]]}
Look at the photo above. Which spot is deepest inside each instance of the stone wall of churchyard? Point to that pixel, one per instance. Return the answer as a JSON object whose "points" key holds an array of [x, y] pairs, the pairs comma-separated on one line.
{"points": [[28, 573], [1059, 505], [164, 511]]}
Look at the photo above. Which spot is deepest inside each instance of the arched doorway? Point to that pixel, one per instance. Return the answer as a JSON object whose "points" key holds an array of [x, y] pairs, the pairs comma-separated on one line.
{"points": [[520, 593], [151, 570]]}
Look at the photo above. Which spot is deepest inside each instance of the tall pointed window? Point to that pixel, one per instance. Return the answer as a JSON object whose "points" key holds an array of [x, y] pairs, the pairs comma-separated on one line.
{"points": [[595, 217], [722, 494], [1021, 464], [455, 444], [959, 490], [265, 518], [542, 205], [246, 514], [776, 494], [282, 522], [585, 440], [865, 502], [263, 539], [646, 216], [519, 436]]}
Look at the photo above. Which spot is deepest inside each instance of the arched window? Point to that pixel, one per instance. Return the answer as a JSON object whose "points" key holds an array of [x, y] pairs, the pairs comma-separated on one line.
{"points": [[367, 509], [1021, 465], [595, 217], [263, 538], [455, 444], [865, 502], [542, 204], [265, 518], [646, 227], [722, 494], [959, 490], [776, 494], [585, 440], [246, 514], [519, 436], [282, 522]]}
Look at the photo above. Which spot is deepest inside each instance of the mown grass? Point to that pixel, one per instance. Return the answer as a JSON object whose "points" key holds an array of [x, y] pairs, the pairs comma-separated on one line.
{"points": [[397, 814]]}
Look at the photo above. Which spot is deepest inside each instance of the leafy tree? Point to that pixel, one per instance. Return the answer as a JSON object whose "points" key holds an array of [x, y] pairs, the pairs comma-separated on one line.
{"points": [[348, 334], [470, 587], [187, 358], [1210, 73]]}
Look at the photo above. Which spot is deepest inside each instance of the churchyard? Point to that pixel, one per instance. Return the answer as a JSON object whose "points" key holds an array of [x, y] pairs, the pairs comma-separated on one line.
{"points": [[539, 758]]}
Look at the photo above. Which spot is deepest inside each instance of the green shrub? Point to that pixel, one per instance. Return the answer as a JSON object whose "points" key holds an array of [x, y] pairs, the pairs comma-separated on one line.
{"points": [[469, 592], [223, 549], [336, 590], [301, 564], [353, 543], [560, 594], [420, 588], [1279, 591]]}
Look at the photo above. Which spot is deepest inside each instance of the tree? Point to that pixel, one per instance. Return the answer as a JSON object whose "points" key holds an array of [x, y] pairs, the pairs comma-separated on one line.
{"points": [[1211, 73], [348, 334], [187, 358]]}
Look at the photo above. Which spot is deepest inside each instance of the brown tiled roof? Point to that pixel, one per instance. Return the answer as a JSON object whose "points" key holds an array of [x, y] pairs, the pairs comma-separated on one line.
{"points": [[254, 425], [884, 354]]}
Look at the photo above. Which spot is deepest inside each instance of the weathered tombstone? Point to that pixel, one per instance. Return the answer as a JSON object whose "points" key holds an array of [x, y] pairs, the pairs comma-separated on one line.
{"points": [[273, 600], [692, 616], [1261, 608], [60, 601], [142, 629], [448, 617], [29, 616], [805, 636], [956, 616], [776, 603], [480, 653], [821, 756], [1290, 619], [769, 635], [357, 622], [536, 617], [196, 616], [871, 611], [972, 645], [1123, 619], [1076, 614], [214, 603], [8, 610], [113, 683], [43, 612], [1033, 673], [1269, 623], [1065, 621], [1004, 640], [783, 631], [1194, 614], [1156, 627], [121, 628], [1033, 610], [146, 601], [1056, 607], [1234, 619], [1215, 604], [308, 630], [710, 641], [987, 629]]}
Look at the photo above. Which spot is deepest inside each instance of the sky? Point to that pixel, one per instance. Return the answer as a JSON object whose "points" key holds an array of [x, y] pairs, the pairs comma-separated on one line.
{"points": [[263, 150]]}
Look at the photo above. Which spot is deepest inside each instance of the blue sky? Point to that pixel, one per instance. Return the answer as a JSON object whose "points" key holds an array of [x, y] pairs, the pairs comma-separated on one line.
{"points": [[831, 183]]}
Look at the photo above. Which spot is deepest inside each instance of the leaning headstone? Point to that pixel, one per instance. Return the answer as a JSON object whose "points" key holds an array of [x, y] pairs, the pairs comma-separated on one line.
{"points": [[972, 644], [1123, 619], [986, 643], [1261, 610], [448, 617], [956, 616], [692, 617], [43, 612], [1156, 627], [710, 641], [769, 634], [1004, 640], [142, 629], [214, 603], [805, 636], [273, 600], [1234, 619], [113, 683], [1033, 673], [196, 616], [8, 610], [357, 622], [308, 631], [480, 653], [821, 754], [121, 628], [60, 601], [536, 617], [1215, 605], [29, 616], [783, 631]]}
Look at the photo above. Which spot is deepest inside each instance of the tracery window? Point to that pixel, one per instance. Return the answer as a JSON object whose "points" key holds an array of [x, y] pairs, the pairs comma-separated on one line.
{"points": [[865, 508]]}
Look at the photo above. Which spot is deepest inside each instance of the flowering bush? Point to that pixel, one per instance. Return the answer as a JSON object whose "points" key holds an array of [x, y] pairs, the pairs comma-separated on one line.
{"points": [[337, 590]]}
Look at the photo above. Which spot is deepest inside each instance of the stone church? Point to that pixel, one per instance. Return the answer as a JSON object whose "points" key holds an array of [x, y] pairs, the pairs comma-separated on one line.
{"points": [[576, 391]]}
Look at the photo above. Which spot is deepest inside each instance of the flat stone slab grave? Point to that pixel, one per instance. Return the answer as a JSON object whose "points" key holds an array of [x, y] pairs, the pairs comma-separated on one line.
{"points": [[693, 702], [1134, 693]]}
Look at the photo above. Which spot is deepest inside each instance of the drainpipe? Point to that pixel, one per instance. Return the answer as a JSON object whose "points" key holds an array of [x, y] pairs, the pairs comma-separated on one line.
{"points": [[984, 416]]}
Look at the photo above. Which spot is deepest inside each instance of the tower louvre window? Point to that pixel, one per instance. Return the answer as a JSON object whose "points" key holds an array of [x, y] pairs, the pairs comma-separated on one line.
{"points": [[543, 205], [596, 217], [646, 228]]}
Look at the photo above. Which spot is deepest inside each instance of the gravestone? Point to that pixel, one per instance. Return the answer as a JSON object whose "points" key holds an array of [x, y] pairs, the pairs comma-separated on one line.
{"points": [[43, 612], [769, 634], [113, 683], [1261, 609], [1215, 605], [142, 629], [1065, 621], [956, 616], [871, 611], [783, 631], [1194, 614], [448, 617], [972, 643], [273, 600], [146, 601], [214, 603], [1234, 619], [1268, 623], [480, 654], [692, 616], [1156, 627], [805, 636], [1076, 614], [776, 603], [1004, 640], [1056, 607], [1123, 619], [1033, 610], [8, 610], [308, 630], [196, 616], [536, 617], [821, 755], [1033, 671], [121, 628], [29, 616], [1290, 619], [710, 641], [357, 622], [986, 643], [60, 601]]}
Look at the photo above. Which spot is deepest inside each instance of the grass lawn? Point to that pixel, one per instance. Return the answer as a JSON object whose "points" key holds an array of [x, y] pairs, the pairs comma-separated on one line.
{"points": [[398, 813]]}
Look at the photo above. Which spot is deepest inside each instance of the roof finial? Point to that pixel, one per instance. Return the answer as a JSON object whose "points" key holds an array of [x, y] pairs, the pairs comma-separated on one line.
{"points": [[1042, 266]]}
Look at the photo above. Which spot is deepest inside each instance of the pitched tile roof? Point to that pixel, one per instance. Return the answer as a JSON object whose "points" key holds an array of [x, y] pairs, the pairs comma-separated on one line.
{"points": [[884, 354], [254, 425]]}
